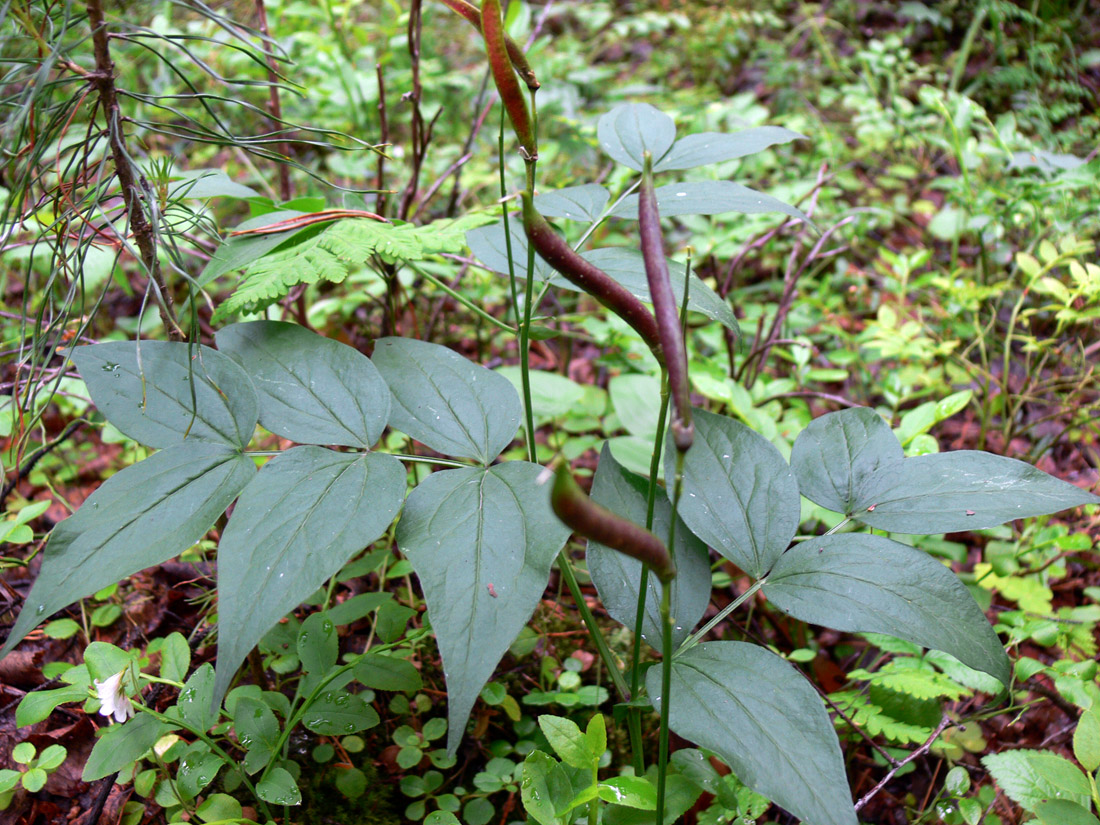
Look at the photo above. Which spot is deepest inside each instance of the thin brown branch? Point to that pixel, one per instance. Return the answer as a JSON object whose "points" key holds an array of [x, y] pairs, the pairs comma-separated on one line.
{"points": [[923, 749], [273, 104]]}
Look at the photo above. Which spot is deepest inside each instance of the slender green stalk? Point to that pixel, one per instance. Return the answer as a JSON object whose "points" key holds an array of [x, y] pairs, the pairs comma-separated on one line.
{"points": [[593, 629], [666, 647], [709, 626], [462, 299], [525, 327]]}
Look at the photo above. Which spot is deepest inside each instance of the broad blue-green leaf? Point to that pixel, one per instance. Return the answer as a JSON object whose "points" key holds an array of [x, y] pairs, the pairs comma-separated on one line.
{"points": [[207, 183], [617, 576], [145, 389], [577, 203], [257, 732], [303, 516], [628, 268], [338, 713], [837, 452], [628, 131], [739, 495], [481, 541], [318, 645], [489, 245], [139, 517], [705, 148], [552, 395], [121, 745], [765, 721], [196, 700], [279, 788], [239, 251], [863, 583], [1063, 812], [636, 399], [1029, 777], [381, 672], [709, 197], [447, 402], [962, 490], [313, 390]]}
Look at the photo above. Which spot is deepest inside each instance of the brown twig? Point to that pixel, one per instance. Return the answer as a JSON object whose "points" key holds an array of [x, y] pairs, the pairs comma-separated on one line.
{"points": [[103, 79], [384, 130], [923, 749], [273, 104]]}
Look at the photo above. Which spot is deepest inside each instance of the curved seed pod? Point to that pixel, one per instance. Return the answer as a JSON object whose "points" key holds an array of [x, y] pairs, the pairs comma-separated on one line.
{"points": [[665, 309], [589, 519], [593, 280], [500, 63], [473, 16]]}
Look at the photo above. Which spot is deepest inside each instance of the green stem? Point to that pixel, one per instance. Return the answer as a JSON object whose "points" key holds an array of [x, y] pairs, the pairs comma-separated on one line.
{"points": [[709, 626], [525, 328], [462, 299], [666, 648], [962, 57], [589, 620]]}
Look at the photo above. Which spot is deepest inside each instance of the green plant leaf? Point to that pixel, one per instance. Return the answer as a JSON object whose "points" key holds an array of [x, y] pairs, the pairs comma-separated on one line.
{"points": [[175, 657], [279, 788], [704, 148], [545, 788], [447, 402], [857, 582], [257, 732], [739, 495], [1064, 812], [481, 541], [617, 576], [145, 389], [631, 791], [1086, 739], [709, 197], [121, 745], [196, 700], [239, 251], [219, 807], [568, 741], [382, 672], [198, 767], [765, 721], [489, 245], [39, 704], [1030, 777], [629, 130], [962, 490], [318, 645], [338, 713], [834, 456], [312, 389], [304, 515], [139, 517], [552, 395], [577, 203]]}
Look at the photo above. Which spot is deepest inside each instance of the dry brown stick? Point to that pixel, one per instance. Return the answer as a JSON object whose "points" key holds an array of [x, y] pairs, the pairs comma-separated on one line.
{"points": [[384, 128], [103, 78], [923, 749], [273, 104]]}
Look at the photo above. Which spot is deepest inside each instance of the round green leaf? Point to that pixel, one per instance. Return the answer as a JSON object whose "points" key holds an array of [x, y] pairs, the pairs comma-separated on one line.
{"points": [[279, 788], [630, 130]]}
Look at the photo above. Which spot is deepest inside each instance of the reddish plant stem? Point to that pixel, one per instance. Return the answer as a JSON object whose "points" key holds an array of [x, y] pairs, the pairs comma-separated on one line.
{"points": [[273, 104]]}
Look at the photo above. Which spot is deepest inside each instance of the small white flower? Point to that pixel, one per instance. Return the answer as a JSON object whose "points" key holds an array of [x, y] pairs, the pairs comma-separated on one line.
{"points": [[113, 699]]}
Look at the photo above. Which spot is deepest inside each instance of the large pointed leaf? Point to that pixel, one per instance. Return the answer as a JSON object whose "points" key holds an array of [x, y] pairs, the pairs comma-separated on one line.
{"points": [[617, 576], [577, 203], [765, 721], [313, 390], [709, 197], [447, 402], [862, 583], [836, 453], [161, 392], [739, 495], [481, 540], [704, 148], [962, 490], [489, 245], [630, 130], [299, 521], [121, 745], [139, 517]]}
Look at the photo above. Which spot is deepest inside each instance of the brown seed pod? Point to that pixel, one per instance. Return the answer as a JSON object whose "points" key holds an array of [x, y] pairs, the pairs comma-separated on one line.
{"points": [[519, 60], [665, 309], [593, 521], [500, 63], [593, 280]]}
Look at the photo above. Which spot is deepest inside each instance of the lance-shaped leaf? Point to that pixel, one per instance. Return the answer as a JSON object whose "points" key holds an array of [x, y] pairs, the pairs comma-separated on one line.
{"points": [[765, 721], [838, 452], [710, 197], [161, 392], [577, 203], [299, 521], [962, 490], [481, 541], [863, 583], [313, 390], [618, 576], [704, 148], [630, 130], [447, 402], [139, 517], [739, 495]]}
